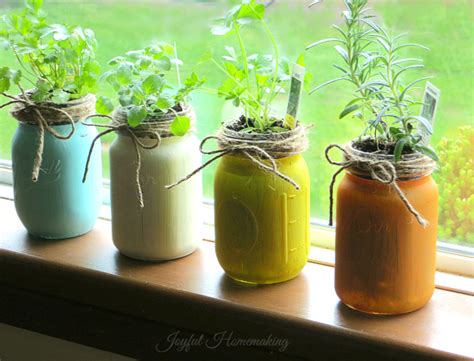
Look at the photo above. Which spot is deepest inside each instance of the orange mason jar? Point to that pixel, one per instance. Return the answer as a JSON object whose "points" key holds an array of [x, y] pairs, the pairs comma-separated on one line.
{"points": [[385, 260]]}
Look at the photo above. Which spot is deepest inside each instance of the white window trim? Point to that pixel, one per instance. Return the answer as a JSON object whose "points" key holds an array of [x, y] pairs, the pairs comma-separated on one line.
{"points": [[453, 259]]}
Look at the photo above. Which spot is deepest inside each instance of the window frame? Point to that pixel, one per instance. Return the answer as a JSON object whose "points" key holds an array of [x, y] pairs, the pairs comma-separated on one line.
{"points": [[451, 258]]}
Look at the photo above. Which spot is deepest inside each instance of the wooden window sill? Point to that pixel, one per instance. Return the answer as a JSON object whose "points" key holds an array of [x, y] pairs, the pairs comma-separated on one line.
{"points": [[84, 291]]}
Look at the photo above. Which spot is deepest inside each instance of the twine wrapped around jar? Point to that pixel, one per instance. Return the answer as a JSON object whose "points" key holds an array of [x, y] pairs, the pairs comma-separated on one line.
{"points": [[381, 168], [257, 147], [156, 128], [45, 115]]}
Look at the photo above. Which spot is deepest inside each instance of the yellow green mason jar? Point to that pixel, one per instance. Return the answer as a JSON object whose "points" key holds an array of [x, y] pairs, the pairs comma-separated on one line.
{"points": [[261, 220]]}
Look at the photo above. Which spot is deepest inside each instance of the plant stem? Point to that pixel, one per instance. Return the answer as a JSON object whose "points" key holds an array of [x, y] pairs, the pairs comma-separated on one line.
{"points": [[21, 62], [244, 55], [392, 86], [244, 59], [352, 46], [236, 81], [275, 73]]}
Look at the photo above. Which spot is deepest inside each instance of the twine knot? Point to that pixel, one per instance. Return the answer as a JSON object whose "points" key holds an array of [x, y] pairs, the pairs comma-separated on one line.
{"points": [[381, 170], [155, 129], [258, 148], [34, 113]]}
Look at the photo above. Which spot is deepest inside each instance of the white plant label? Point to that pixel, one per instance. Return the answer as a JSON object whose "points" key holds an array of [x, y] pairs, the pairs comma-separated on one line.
{"points": [[297, 81], [428, 111]]}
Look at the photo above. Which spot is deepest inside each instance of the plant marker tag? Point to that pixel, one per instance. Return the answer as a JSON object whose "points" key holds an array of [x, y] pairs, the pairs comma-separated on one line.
{"points": [[177, 64], [428, 111], [297, 81]]}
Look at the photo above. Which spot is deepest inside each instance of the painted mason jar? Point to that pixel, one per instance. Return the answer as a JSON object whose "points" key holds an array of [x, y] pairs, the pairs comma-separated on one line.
{"points": [[386, 259], [54, 203], [261, 220], [169, 224]]}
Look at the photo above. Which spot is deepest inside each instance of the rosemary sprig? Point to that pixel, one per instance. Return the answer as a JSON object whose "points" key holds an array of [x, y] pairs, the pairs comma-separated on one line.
{"points": [[372, 63]]}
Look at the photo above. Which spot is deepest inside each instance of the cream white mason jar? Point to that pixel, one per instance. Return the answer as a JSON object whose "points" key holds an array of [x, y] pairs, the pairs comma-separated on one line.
{"points": [[169, 224]]}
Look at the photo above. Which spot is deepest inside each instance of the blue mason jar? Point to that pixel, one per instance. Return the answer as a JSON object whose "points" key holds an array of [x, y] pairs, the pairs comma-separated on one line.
{"points": [[58, 205]]}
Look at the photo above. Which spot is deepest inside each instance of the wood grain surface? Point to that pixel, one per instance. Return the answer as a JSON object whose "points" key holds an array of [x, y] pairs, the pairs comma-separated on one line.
{"points": [[83, 290]]}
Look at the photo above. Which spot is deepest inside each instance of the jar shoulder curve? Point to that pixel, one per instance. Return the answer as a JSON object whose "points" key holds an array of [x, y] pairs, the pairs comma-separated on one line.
{"points": [[80, 130], [294, 167], [81, 139], [354, 183], [169, 148]]}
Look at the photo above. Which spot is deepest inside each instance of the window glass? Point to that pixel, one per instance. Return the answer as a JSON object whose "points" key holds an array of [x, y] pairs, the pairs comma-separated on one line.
{"points": [[446, 27]]}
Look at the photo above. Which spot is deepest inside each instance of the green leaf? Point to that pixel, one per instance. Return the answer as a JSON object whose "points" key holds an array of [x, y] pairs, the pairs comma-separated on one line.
{"points": [[384, 44], [375, 83], [396, 133], [4, 84], [109, 76], [168, 48], [301, 60], [325, 84], [164, 103], [60, 32], [104, 105], [34, 4], [416, 66], [60, 96], [125, 100], [231, 51], [250, 11], [180, 125], [5, 79], [413, 83], [92, 67], [116, 60], [424, 122], [135, 115], [380, 116], [164, 63], [428, 152], [220, 30], [152, 84], [145, 62], [135, 54], [411, 45], [278, 129], [41, 92], [342, 52], [329, 40], [124, 74], [399, 148], [349, 110], [4, 43], [397, 62]]}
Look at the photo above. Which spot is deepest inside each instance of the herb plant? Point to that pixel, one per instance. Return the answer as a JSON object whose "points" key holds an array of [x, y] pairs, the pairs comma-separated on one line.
{"points": [[253, 81], [140, 80], [372, 63], [57, 61]]}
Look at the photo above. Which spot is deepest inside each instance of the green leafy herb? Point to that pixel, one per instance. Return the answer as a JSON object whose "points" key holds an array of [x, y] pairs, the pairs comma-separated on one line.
{"points": [[252, 81], [57, 61], [371, 62], [143, 89], [104, 105], [180, 125]]}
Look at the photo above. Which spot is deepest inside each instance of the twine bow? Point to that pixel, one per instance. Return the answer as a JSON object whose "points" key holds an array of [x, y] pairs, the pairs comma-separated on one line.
{"points": [[43, 126], [380, 170], [114, 127], [245, 149]]}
